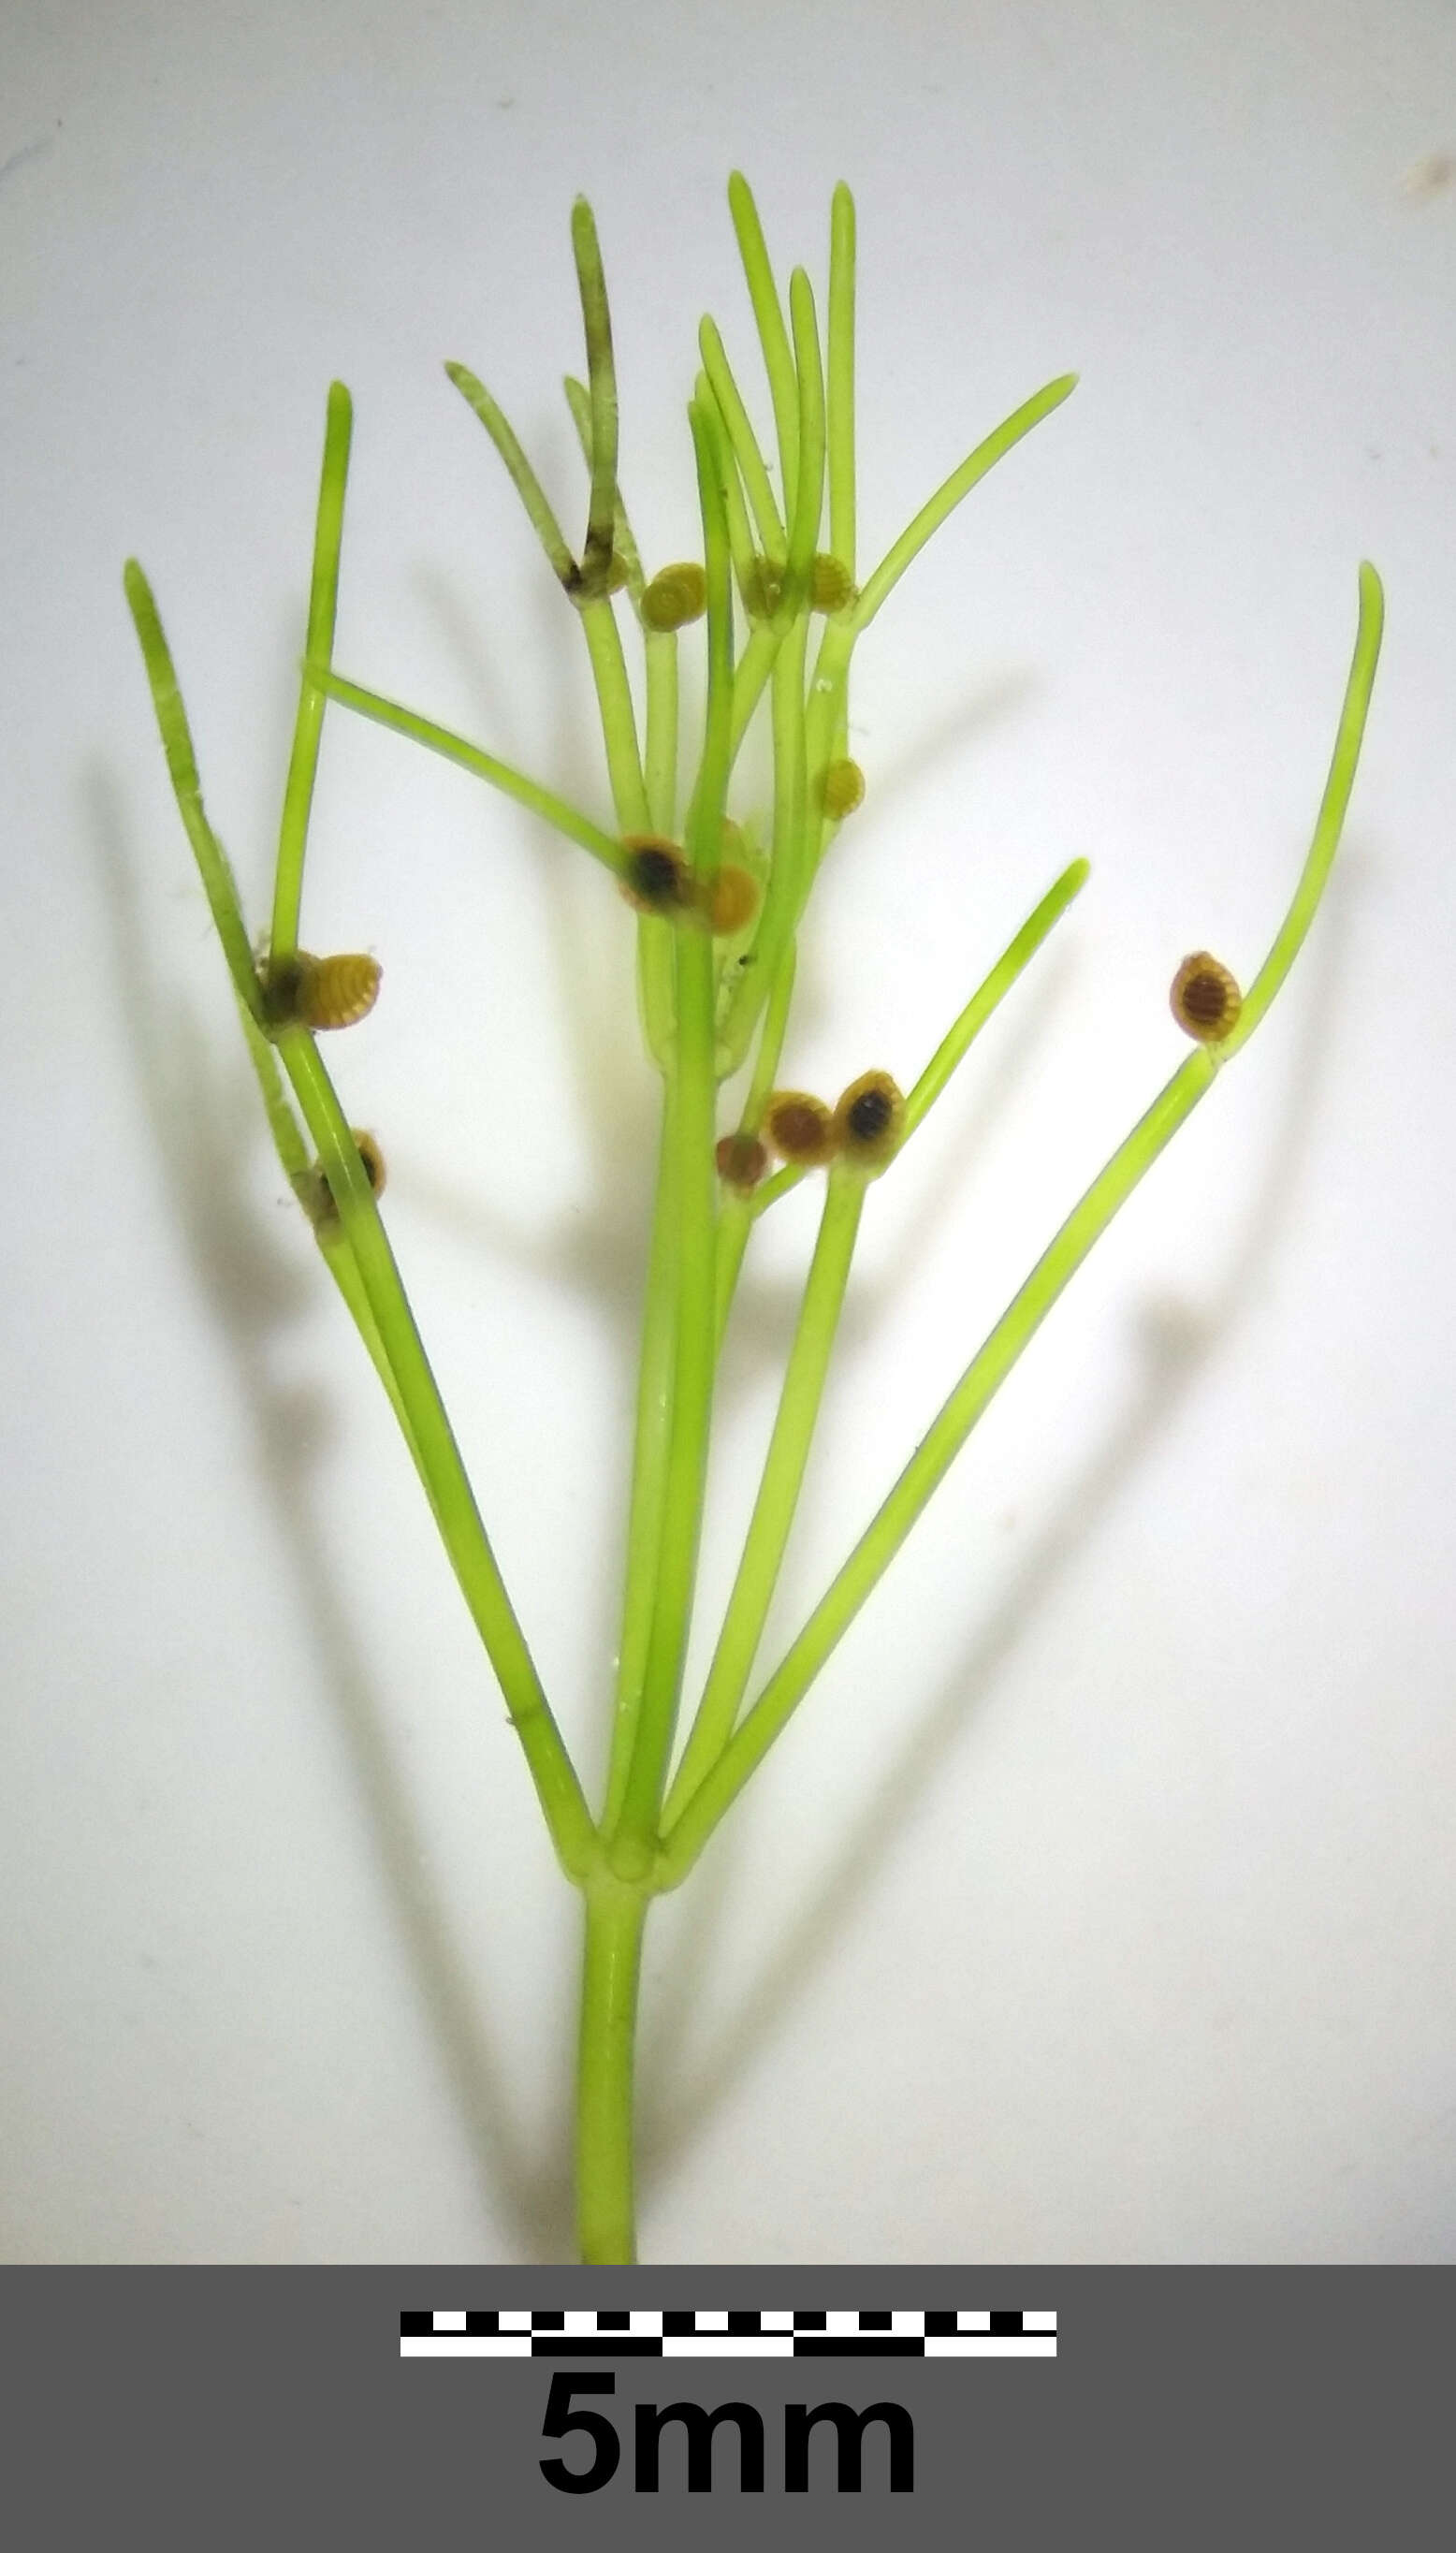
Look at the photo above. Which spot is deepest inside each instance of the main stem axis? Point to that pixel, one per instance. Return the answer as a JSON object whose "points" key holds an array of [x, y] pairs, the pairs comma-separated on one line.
{"points": [[616, 1913]]}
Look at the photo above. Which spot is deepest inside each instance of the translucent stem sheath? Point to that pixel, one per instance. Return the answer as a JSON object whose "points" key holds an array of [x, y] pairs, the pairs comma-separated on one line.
{"points": [[323, 602]]}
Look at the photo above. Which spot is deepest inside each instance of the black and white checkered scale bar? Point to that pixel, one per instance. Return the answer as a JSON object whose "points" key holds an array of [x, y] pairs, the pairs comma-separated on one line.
{"points": [[770, 2332]]}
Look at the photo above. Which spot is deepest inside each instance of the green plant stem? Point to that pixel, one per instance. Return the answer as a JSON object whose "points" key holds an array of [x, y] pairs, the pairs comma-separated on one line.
{"points": [[840, 378], [737, 1212], [928, 1467], [752, 674], [808, 483], [1344, 763], [655, 1365], [987, 997], [804, 1383], [983, 1377], [787, 886], [602, 390], [949, 495], [323, 604], [778, 1494], [338, 1257], [693, 1085], [623, 545], [742, 439], [826, 713], [778, 359], [615, 1915], [660, 766], [218, 884], [740, 1213], [395, 1335], [522, 477], [743, 547], [287, 1135], [693, 1090], [553, 810], [618, 718], [432, 1440]]}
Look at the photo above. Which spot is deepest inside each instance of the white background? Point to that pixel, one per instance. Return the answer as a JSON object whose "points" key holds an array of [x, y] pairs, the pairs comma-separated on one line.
{"points": [[1098, 1906]]}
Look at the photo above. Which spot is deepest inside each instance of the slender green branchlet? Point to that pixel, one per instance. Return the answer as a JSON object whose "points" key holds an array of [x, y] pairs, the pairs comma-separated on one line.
{"points": [[604, 846], [323, 604], [760, 631]]}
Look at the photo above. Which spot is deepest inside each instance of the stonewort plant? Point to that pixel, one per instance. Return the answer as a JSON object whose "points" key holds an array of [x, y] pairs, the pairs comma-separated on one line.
{"points": [[720, 906]]}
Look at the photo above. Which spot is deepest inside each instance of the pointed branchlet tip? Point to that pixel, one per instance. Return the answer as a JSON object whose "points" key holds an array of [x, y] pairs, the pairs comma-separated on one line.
{"points": [[317, 1198], [302, 991], [1205, 999], [741, 1163], [658, 879], [800, 1128], [868, 1120]]}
